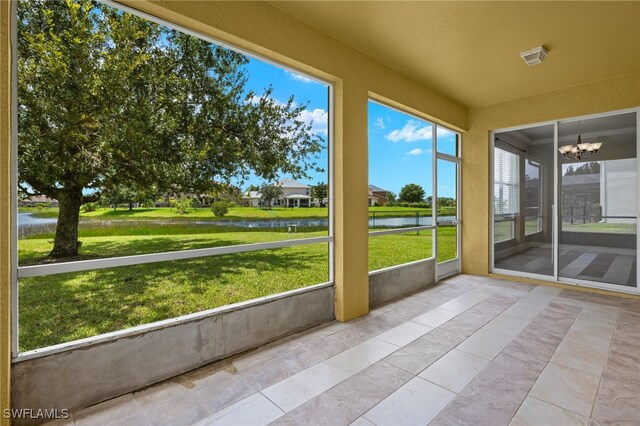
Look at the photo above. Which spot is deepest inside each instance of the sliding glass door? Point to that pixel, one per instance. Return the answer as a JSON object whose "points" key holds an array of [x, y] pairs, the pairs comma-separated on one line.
{"points": [[565, 201], [522, 200], [597, 223]]}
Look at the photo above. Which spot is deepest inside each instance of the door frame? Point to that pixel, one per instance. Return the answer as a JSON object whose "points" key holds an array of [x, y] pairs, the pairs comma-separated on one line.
{"points": [[453, 266], [555, 226]]}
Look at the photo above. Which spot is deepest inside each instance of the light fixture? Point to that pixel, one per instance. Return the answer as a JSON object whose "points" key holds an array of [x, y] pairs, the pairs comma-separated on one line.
{"points": [[581, 149], [534, 56]]}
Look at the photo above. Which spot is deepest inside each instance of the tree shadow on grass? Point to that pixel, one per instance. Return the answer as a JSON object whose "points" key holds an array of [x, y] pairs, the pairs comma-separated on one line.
{"points": [[60, 308]]}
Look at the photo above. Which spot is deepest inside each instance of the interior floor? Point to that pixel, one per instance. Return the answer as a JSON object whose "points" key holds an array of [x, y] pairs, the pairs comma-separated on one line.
{"points": [[471, 350], [599, 264]]}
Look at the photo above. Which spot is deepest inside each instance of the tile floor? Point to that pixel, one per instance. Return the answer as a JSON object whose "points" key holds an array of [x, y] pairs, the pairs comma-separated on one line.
{"points": [[590, 263], [469, 351]]}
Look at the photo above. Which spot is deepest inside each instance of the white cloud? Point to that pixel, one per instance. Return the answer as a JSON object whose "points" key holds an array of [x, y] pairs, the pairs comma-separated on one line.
{"points": [[416, 151], [380, 123], [300, 77], [320, 119], [411, 132]]}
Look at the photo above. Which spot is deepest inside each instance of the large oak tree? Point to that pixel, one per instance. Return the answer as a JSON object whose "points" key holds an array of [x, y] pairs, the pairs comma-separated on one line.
{"points": [[109, 99]]}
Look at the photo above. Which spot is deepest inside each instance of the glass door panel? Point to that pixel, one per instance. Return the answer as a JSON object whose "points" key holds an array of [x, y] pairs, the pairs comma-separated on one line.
{"points": [[597, 223], [447, 213], [523, 200]]}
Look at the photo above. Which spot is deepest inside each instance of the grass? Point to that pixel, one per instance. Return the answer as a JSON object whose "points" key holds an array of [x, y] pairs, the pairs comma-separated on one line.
{"points": [[59, 308], [234, 213], [613, 228]]}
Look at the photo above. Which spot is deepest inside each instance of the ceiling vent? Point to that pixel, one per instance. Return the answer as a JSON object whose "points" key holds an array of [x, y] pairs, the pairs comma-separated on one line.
{"points": [[534, 56]]}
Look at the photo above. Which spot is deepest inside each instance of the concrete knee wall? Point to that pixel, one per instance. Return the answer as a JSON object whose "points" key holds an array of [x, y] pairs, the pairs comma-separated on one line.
{"points": [[392, 283], [77, 378]]}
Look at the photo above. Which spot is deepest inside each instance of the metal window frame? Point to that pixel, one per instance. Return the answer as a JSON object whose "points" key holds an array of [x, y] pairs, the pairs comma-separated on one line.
{"points": [[555, 226], [94, 264], [435, 155]]}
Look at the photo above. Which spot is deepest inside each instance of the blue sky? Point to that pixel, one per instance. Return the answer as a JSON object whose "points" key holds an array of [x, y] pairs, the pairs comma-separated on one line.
{"points": [[399, 144]]}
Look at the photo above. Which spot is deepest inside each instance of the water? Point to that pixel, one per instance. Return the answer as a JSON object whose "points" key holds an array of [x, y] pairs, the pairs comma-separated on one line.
{"points": [[30, 225], [27, 219]]}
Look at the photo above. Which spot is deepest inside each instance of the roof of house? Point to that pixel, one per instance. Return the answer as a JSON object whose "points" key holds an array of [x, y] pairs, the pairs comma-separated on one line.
{"points": [[292, 183], [253, 194], [586, 179], [376, 188], [298, 196]]}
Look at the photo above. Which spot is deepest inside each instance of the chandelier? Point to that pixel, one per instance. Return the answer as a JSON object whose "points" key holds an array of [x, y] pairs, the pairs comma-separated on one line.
{"points": [[581, 149]]}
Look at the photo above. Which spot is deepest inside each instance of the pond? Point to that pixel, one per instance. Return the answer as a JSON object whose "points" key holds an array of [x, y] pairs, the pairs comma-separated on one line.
{"points": [[31, 225]]}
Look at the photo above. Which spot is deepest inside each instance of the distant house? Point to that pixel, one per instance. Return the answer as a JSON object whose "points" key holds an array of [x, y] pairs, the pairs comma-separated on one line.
{"points": [[377, 196], [39, 200], [294, 194]]}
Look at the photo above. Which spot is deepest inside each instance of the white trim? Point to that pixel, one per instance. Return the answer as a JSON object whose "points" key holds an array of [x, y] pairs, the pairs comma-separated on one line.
{"points": [[93, 264], [492, 242], [434, 195], [209, 39], [14, 179], [331, 178], [401, 230], [602, 286], [158, 325], [447, 157], [555, 233]]}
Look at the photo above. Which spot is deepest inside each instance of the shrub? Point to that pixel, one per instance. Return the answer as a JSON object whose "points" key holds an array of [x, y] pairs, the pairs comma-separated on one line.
{"points": [[220, 208], [183, 204], [89, 207]]}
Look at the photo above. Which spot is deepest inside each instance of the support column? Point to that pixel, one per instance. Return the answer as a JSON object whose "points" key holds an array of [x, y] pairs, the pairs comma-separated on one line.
{"points": [[350, 201], [5, 208]]}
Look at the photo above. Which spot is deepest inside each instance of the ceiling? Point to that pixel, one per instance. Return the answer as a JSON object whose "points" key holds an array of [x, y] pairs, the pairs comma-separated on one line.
{"points": [[469, 51]]}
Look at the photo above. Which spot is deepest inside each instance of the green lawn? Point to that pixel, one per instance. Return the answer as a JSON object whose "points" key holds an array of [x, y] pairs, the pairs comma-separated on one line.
{"points": [[234, 213], [59, 308]]}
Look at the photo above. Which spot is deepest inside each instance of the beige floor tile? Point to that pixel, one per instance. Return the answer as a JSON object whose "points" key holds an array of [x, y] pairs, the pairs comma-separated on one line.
{"points": [[284, 421], [302, 387], [404, 334], [109, 411], [182, 411], [159, 394], [435, 317], [567, 388], [385, 376], [455, 370], [579, 353], [324, 410], [363, 355], [466, 301], [526, 309], [227, 390], [535, 412], [485, 344], [254, 410], [361, 421], [358, 393], [416, 403], [506, 324], [266, 374]]}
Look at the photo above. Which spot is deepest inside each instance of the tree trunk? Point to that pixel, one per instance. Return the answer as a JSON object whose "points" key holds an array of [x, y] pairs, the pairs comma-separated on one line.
{"points": [[66, 240]]}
